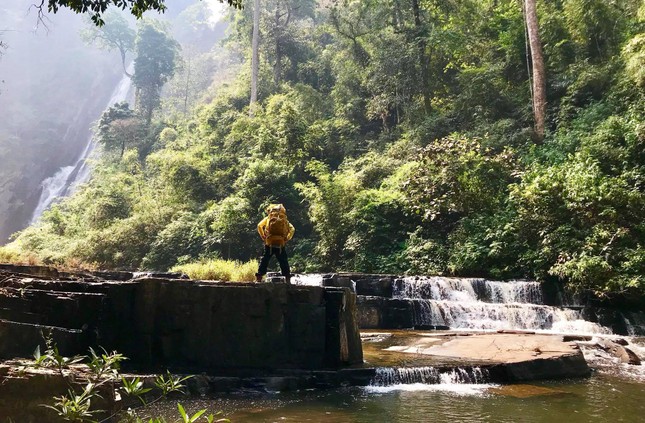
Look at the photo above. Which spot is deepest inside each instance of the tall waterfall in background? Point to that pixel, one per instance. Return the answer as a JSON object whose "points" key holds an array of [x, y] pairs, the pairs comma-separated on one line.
{"points": [[66, 179]]}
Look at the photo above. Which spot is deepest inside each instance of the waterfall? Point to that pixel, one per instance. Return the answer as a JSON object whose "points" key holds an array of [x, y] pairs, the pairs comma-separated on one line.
{"points": [[388, 376], [67, 178], [634, 322], [459, 381], [462, 303], [313, 279]]}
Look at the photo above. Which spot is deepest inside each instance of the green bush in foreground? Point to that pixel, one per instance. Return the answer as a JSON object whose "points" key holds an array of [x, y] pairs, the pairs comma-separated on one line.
{"points": [[221, 270]]}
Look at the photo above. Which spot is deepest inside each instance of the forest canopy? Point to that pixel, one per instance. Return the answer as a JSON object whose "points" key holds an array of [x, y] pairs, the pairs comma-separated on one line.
{"points": [[400, 137], [96, 8]]}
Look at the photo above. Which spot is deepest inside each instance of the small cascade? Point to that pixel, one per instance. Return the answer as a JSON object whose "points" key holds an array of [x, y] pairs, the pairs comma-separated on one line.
{"points": [[66, 179], [389, 376], [312, 279], [467, 289], [634, 322], [479, 304]]}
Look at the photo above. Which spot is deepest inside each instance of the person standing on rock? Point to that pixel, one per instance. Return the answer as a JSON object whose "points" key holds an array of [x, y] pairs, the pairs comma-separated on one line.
{"points": [[275, 230]]}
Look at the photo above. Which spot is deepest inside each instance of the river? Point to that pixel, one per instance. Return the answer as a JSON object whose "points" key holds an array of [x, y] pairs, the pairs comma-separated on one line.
{"points": [[601, 398], [614, 393]]}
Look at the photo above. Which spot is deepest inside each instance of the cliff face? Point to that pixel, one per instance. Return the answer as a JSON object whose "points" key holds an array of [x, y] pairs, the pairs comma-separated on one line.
{"points": [[54, 87]]}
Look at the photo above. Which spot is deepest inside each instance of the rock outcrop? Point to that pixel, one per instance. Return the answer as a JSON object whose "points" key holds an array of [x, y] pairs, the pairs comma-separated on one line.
{"points": [[161, 322]]}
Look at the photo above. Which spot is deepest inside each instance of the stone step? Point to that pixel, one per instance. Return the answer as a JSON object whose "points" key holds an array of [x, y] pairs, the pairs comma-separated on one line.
{"points": [[33, 271], [19, 339], [57, 285], [58, 308], [20, 316]]}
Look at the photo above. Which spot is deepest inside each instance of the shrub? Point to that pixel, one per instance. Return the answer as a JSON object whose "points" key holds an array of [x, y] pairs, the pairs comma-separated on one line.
{"points": [[220, 270]]}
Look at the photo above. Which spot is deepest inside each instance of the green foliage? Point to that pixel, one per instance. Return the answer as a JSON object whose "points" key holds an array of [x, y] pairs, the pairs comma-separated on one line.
{"points": [[135, 388], [330, 199], [379, 231], [115, 33], [582, 219], [120, 128], [75, 407], [397, 142], [634, 56], [169, 383], [105, 364], [185, 237], [458, 176], [155, 64], [98, 7]]}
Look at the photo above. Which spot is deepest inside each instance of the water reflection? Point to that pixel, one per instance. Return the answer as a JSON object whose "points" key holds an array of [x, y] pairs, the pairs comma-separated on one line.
{"points": [[599, 399]]}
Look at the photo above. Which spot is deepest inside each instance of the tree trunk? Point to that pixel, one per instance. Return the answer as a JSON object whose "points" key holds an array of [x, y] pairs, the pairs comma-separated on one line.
{"points": [[187, 87], [421, 44], [277, 67], [539, 73], [255, 65], [125, 69]]}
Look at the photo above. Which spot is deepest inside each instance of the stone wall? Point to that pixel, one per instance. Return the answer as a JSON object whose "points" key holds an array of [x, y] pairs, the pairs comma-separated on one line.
{"points": [[194, 325]]}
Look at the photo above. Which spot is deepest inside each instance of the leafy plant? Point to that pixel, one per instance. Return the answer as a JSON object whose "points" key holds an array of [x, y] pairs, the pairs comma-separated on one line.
{"points": [[187, 418], [76, 407], [135, 388], [169, 383], [105, 363]]}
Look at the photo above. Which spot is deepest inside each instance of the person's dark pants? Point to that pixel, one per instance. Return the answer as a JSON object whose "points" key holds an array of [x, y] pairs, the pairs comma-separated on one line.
{"points": [[281, 255]]}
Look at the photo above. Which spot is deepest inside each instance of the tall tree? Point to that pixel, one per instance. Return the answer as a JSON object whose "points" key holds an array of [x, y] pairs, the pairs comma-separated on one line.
{"points": [[283, 27], [116, 33], [255, 56], [157, 55], [539, 73], [119, 128], [423, 62]]}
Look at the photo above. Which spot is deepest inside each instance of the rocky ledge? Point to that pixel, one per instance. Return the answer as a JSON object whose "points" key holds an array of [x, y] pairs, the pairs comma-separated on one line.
{"points": [[505, 357]]}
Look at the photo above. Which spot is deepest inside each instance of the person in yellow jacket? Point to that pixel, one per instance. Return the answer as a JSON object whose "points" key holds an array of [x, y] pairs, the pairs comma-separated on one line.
{"points": [[275, 230]]}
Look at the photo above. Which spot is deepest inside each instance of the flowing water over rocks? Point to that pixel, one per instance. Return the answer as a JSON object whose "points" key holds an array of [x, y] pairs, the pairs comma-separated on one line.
{"points": [[488, 305]]}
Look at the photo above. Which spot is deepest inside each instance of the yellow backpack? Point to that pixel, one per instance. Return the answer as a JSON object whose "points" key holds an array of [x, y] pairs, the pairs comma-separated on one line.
{"points": [[277, 228]]}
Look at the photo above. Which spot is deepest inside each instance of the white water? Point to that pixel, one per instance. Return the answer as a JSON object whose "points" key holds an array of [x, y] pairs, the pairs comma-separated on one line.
{"points": [[488, 305], [635, 323], [460, 381], [386, 376], [68, 178], [312, 279]]}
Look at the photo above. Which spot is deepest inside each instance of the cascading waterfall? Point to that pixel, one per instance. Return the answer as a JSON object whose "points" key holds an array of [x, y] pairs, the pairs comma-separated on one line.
{"points": [[67, 178], [461, 303], [388, 376], [634, 322], [460, 381]]}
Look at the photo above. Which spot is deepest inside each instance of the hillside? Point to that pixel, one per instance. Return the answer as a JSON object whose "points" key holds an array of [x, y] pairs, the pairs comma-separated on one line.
{"points": [[400, 140]]}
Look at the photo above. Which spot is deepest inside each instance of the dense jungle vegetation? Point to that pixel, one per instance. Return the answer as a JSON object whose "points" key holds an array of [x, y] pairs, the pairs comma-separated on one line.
{"points": [[397, 133]]}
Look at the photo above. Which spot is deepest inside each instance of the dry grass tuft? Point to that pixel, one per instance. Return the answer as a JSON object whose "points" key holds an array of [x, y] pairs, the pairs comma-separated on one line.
{"points": [[220, 270]]}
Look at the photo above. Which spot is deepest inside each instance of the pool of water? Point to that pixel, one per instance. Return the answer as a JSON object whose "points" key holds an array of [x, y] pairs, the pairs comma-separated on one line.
{"points": [[601, 398]]}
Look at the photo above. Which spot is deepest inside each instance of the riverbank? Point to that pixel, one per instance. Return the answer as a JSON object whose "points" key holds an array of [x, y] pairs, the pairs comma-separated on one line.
{"points": [[272, 337]]}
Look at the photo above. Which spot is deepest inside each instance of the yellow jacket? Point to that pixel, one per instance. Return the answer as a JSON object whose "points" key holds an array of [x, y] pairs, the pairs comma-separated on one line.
{"points": [[262, 228]]}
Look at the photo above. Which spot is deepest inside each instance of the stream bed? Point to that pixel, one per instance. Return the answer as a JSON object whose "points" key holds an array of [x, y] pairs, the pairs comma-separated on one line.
{"points": [[614, 393]]}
